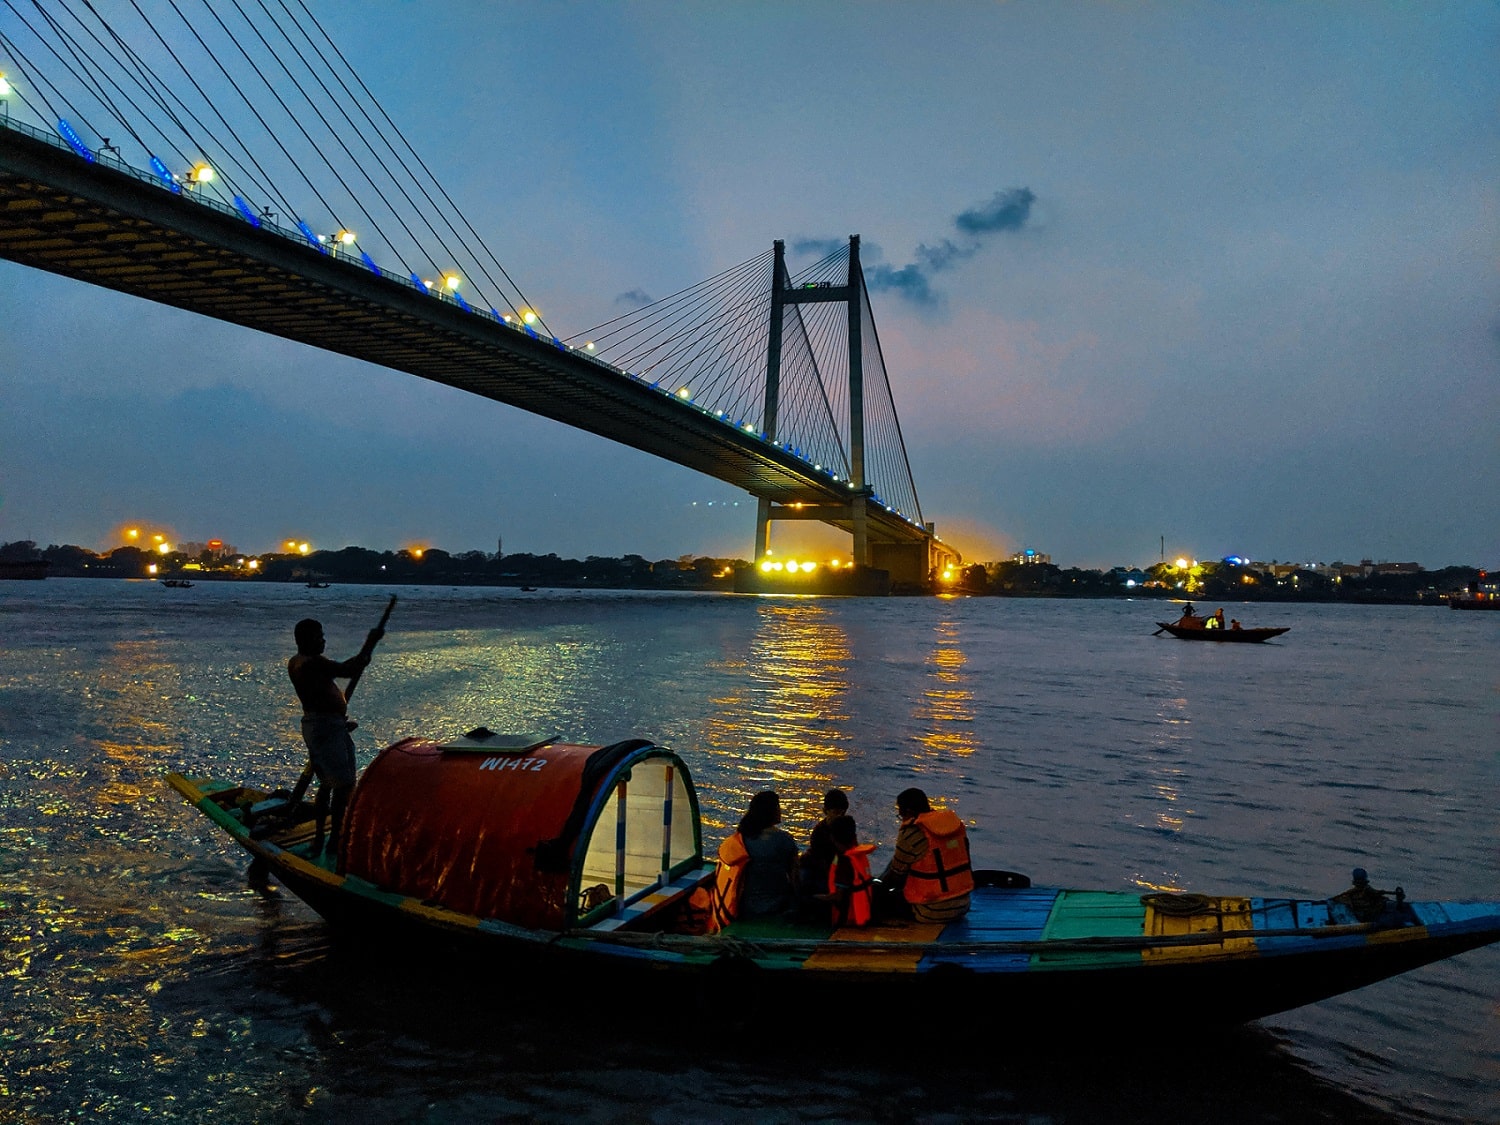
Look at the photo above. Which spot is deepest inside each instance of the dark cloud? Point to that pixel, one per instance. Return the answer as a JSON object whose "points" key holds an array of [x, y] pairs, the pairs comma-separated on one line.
{"points": [[1007, 211], [943, 255], [909, 281], [635, 298]]}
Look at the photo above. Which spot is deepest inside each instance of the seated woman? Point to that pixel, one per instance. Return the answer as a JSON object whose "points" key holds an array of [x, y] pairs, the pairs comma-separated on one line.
{"points": [[766, 878]]}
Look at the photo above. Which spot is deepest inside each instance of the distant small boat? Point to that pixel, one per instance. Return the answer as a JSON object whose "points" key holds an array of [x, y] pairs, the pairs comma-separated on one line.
{"points": [[317, 585], [1202, 633], [528, 589], [177, 583]]}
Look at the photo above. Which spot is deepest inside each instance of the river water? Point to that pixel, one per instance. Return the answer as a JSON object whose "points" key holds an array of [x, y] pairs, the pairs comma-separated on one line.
{"points": [[142, 978]]}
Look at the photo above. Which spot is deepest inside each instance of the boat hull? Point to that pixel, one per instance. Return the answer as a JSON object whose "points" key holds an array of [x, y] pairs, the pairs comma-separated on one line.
{"points": [[549, 969], [1220, 636], [1047, 957]]}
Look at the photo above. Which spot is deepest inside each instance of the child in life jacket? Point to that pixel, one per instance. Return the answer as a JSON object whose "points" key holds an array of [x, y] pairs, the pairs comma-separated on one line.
{"points": [[850, 886]]}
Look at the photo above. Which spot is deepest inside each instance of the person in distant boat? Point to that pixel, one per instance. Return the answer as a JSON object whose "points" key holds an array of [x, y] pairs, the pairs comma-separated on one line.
{"points": [[325, 719], [1234, 623], [1216, 621], [930, 876], [850, 894], [1189, 618], [812, 867], [764, 874]]}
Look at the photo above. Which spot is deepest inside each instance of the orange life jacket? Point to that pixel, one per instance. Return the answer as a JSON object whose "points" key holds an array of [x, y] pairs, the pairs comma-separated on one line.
{"points": [[728, 882], [943, 870], [861, 891]]}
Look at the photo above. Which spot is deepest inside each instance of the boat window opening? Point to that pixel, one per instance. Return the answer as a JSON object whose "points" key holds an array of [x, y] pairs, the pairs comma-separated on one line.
{"points": [[637, 842]]}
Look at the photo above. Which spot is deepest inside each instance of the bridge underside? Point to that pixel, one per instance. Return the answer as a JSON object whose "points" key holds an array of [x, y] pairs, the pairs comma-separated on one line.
{"points": [[97, 224]]}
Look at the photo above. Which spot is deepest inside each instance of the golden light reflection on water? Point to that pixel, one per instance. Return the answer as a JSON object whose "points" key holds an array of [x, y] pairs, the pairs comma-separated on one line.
{"points": [[945, 712], [464, 679], [1168, 816], [785, 719]]}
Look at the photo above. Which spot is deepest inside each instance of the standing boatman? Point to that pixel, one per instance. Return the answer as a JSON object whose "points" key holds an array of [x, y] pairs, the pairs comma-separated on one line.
{"points": [[325, 718]]}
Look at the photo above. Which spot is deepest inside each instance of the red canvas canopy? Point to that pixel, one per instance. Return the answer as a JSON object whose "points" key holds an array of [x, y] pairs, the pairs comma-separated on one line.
{"points": [[521, 834]]}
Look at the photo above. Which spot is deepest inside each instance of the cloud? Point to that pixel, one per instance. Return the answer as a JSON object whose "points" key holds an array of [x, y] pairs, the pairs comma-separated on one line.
{"points": [[909, 281], [1008, 210], [635, 298]]}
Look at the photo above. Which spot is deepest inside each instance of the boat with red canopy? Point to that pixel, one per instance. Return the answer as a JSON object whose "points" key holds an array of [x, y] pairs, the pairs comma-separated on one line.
{"points": [[572, 867]]}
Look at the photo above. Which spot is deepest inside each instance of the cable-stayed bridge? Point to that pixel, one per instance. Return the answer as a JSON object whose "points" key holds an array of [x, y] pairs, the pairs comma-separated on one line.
{"points": [[770, 382]]}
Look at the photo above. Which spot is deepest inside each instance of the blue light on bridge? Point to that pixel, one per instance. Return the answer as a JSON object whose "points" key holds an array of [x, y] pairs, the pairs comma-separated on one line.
{"points": [[74, 141], [244, 208], [369, 263], [163, 174], [307, 233], [418, 282]]}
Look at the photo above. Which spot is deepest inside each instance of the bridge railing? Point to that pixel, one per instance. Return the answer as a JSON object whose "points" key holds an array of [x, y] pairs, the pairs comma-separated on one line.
{"points": [[305, 237]]}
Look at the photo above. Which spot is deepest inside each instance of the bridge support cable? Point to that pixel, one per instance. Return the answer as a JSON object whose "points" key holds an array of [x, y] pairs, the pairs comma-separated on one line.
{"points": [[229, 52], [708, 345], [894, 486]]}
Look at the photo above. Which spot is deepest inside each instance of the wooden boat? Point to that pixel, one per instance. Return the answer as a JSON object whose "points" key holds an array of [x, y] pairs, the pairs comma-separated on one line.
{"points": [[317, 585], [1232, 636], [571, 870], [177, 583]]}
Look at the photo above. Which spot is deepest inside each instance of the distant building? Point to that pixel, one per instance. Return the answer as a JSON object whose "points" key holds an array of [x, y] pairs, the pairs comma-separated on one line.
{"points": [[1030, 556], [216, 548]]}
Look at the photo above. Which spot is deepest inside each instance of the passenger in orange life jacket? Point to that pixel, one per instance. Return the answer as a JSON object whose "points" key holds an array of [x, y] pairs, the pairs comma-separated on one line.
{"points": [[850, 888], [930, 876], [812, 867]]}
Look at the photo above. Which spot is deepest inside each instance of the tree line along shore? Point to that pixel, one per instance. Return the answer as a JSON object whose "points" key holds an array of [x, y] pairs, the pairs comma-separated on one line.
{"points": [[1226, 581]]}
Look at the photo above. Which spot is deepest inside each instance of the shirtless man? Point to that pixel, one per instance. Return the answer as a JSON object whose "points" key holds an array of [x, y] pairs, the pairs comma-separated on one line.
{"points": [[325, 719]]}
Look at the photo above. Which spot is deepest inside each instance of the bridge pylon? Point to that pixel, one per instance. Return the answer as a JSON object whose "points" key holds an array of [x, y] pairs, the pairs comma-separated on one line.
{"points": [[910, 563]]}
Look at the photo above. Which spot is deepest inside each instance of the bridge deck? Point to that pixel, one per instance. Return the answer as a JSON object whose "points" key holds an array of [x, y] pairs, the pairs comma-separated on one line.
{"points": [[108, 227]]}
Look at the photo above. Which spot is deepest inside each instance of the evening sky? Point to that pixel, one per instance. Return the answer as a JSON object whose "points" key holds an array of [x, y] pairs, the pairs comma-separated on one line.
{"points": [[1196, 278]]}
